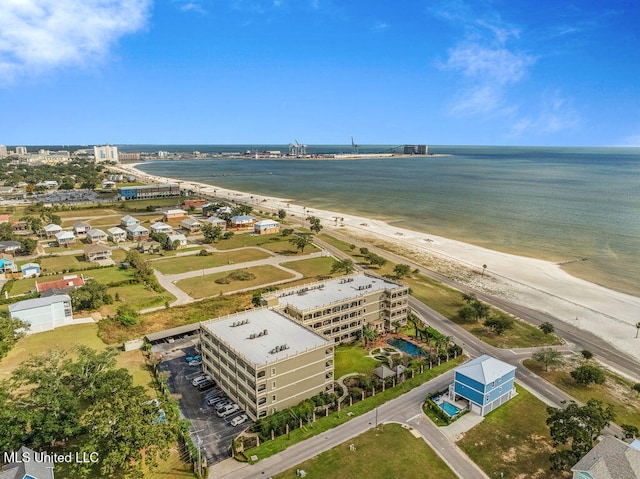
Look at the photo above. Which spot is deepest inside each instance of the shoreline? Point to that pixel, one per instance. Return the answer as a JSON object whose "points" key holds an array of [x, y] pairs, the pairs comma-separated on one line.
{"points": [[539, 284]]}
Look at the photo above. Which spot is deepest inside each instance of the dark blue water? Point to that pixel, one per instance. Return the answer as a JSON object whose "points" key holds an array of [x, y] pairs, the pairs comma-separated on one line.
{"points": [[559, 204], [404, 346]]}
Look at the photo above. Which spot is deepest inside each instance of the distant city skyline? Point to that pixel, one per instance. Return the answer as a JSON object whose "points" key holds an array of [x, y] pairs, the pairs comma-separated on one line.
{"points": [[320, 71]]}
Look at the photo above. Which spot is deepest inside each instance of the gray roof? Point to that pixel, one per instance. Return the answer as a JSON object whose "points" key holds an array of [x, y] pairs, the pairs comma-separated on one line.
{"points": [[31, 468], [116, 231], [190, 222], [96, 248], [160, 225], [38, 302], [611, 458], [96, 232], [52, 227], [10, 244], [261, 349], [81, 223], [267, 223], [214, 220], [167, 333], [137, 229], [332, 291], [65, 235], [128, 218], [485, 369]]}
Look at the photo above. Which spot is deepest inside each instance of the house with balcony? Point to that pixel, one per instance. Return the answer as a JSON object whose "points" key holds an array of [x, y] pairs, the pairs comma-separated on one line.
{"points": [[50, 230], [128, 221], [97, 252], [81, 227], [191, 225], [175, 214], [96, 236], [241, 222], [65, 238], [215, 221], [137, 233], [264, 361], [484, 382], [117, 235], [266, 227], [161, 227]]}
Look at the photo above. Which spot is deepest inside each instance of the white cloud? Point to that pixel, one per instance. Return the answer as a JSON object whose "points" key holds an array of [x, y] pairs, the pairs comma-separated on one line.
{"points": [[555, 115], [380, 27], [39, 35]]}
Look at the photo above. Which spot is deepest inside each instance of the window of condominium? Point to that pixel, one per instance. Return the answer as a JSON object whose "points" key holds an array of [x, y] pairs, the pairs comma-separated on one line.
{"points": [[261, 374], [273, 371], [273, 398]]}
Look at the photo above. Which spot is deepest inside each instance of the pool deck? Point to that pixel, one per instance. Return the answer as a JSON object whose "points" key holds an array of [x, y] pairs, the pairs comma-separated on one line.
{"points": [[456, 430]]}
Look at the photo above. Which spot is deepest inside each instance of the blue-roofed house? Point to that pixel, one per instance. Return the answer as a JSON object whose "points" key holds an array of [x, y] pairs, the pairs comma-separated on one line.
{"points": [[486, 382], [7, 266], [30, 270]]}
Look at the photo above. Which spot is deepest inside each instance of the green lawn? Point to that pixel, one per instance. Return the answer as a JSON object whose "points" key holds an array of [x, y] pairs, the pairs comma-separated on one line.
{"points": [[205, 286], [377, 455], [275, 243], [183, 264], [138, 296], [352, 358], [141, 205], [316, 268], [81, 214], [513, 441], [615, 390], [60, 263]]}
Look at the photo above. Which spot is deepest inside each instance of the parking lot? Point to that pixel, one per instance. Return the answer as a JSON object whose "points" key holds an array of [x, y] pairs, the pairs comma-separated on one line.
{"points": [[212, 433]]}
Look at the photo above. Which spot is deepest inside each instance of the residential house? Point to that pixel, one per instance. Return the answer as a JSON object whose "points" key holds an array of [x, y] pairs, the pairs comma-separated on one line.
{"points": [[59, 286], [108, 184], [242, 222], [266, 227], [128, 221], [611, 458], [81, 227], [174, 215], [485, 382], [51, 230], [10, 247], [195, 203], [43, 314], [27, 464], [96, 236], [150, 247], [191, 225], [65, 238], [225, 210], [116, 234], [179, 238], [30, 270], [7, 266], [209, 209], [19, 225], [161, 227], [137, 233], [97, 252], [214, 221]]}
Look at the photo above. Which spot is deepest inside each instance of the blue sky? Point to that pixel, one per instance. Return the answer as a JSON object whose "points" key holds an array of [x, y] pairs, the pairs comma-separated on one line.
{"points": [[320, 71]]}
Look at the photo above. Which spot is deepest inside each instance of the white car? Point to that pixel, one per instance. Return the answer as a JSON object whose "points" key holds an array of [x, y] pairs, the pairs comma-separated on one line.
{"points": [[228, 409], [236, 421], [195, 362], [200, 379]]}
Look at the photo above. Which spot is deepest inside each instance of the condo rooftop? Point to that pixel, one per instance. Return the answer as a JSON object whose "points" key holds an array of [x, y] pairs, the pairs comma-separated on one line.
{"points": [[263, 336], [332, 291]]}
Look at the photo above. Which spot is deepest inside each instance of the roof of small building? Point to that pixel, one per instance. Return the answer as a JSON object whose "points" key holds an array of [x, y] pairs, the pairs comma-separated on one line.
{"points": [[30, 466], [159, 225], [236, 331], [175, 212], [485, 369], [96, 248], [38, 302], [116, 231], [137, 229], [383, 372], [177, 237], [53, 227], [128, 218], [30, 266], [242, 219], [10, 244], [96, 232], [215, 220], [611, 458], [64, 283], [190, 222], [81, 223], [65, 235], [267, 223]]}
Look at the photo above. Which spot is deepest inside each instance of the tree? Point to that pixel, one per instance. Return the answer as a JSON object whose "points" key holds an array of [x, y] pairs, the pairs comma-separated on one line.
{"points": [[630, 431], [315, 224], [8, 334], [586, 354], [576, 427], [587, 374], [90, 296], [282, 214], [499, 323], [28, 245], [402, 270], [636, 388], [396, 325], [637, 328], [467, 313], [127, 316], [375, 260], [547, 327], [364, 251], [212, 234], [484, 267], [369, 334], [345, 265], [548, 357], [301, 241]]}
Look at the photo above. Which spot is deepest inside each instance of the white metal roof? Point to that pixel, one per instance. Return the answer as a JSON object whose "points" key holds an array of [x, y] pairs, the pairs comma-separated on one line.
{"points": [[261, 349], [96, 232], [267, 223], [65, 235], [485, 369], [116, 231], [38, 302], [137, 228], [129, 218], [53, 227]]}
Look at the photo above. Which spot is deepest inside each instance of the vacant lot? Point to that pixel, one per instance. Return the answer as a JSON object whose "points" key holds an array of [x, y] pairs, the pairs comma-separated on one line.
{"points": [[183, 264], [513, 441], [615, 390], [314, 268], [102, 275], [391, 451], [206, 286]]}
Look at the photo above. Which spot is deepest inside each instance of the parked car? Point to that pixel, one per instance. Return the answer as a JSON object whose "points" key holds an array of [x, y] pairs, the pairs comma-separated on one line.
{"points": [[206, 384], [228, 409], [214, 399], [222, 403], [192, 358], [236, 421], [197, 380], [195, 362], [214, 392]]}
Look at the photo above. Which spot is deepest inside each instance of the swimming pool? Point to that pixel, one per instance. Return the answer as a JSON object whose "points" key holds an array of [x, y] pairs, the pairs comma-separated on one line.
{"points": [[449, 408], [404, 346]]}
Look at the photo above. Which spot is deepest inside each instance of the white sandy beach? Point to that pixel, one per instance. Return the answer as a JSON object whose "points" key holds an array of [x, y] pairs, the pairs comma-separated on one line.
{"points": [[537, 284]]}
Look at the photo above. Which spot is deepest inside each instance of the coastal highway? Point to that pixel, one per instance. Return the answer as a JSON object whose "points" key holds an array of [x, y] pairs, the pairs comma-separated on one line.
{"points": [[577, 339]]}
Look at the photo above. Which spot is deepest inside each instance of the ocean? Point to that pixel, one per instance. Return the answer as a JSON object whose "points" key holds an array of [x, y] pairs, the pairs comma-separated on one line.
{"points": [[559, 204]]}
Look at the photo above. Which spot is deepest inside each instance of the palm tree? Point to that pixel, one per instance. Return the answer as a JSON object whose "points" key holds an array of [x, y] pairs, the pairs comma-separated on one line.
{"points": [[637, 329], [301, 240], [396, 325], [345, 265], [369, 334], [446, 342], [484, 266]]}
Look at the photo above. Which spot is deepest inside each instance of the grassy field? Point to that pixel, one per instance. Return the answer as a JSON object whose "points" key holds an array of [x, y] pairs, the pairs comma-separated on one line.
{"points": [[60, 263], [183, 264], [516, 436], [81, 214], [334, 419], [102, 275], [275, 243], [314, 268], [376, 456], [141, 205], [615, 390], [352, 358], [205, 286], [138, 296]]}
